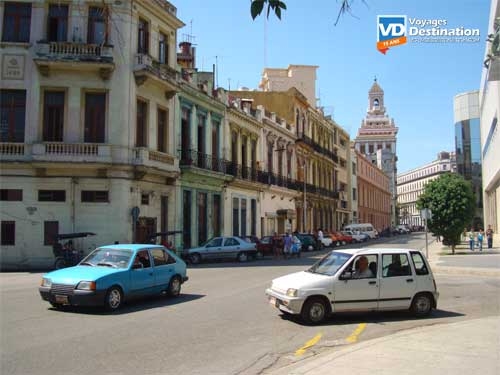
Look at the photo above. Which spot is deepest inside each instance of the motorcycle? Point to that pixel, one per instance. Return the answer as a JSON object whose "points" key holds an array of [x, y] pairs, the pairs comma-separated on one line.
{"points": [[67, 255]]}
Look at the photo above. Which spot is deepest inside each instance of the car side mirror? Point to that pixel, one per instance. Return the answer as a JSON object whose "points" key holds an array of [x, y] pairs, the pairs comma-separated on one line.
{"points": [[346, 275]]}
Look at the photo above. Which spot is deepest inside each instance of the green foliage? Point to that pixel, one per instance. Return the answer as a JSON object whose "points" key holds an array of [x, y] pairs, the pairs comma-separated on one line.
{"points": [[257, 6], [451, 201]]}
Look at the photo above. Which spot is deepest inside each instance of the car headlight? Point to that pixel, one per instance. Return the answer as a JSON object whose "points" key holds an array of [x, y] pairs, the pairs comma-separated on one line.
{"points": [[46, 282], [292, 292], [86, 285]]}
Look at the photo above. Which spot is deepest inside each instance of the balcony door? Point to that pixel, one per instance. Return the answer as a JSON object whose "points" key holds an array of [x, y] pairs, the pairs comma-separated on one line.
{"points": [[53, 116], [57, 23], [95, 117], [97, 32]]}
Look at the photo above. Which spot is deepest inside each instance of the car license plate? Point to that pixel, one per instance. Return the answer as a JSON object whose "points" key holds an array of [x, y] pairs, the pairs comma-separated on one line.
{"points": [[274, 301], [62, 299]]}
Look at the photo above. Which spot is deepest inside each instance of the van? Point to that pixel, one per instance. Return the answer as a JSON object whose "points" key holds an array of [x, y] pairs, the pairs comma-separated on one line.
{"points": [[364, 228], [363, 279]]}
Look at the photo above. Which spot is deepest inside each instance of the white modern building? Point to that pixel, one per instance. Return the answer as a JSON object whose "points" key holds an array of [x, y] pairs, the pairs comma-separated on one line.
{"points": [[376, 140], [411, 185], [489, 104]]}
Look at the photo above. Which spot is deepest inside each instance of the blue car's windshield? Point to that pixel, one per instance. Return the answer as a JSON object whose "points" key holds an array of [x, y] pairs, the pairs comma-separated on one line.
{"points": [[102, 257], [330, 263]]}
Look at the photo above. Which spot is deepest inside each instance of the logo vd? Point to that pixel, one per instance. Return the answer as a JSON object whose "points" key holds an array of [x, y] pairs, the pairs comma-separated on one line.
{"points": [[391, 32]]}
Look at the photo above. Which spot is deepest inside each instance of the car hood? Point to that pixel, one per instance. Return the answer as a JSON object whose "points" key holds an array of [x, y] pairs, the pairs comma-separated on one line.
{"points": [[301, 280], [73, 275]]}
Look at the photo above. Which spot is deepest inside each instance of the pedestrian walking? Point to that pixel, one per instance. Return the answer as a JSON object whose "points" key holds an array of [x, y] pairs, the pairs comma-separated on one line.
{"points": [[480, 237], [276, 245], [470, 235], [489, 237], [320, 239], [288, 245]]}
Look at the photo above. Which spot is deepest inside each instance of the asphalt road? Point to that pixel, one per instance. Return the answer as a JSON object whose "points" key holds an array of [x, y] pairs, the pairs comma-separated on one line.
{"points": [[221, 324]]}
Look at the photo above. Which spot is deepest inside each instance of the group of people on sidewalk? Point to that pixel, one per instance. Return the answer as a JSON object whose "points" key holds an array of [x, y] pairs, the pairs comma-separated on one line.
{"points": [[285, 247], [476, 238]]}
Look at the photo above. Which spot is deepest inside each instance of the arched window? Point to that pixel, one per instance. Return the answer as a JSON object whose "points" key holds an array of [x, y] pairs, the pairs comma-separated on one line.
{"points": [[375, 103]]}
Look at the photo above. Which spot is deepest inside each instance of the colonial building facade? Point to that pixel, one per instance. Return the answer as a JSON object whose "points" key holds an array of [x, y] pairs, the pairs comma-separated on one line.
{"points": [[86, 111], [374, 194], [411, 185], [376, 140]]}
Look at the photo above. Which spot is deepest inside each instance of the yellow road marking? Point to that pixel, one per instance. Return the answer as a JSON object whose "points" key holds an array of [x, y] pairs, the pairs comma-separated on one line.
{"points": [[354, 336], [309, 344]]}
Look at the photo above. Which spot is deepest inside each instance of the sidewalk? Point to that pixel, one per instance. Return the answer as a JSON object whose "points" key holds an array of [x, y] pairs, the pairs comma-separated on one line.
{"points": [[468, 347], [438, 254]]}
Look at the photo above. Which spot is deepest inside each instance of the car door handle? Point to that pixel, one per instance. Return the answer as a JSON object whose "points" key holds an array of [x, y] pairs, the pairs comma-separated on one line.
{"points": [[372, 282], [409, 280]]}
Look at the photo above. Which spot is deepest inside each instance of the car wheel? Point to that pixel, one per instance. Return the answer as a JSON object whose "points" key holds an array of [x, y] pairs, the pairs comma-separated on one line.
{"points": [[114, 298], [59, 263], [174, 287], [338, 243], [310, 248], [57, 306], [242, 257], [195, 258], [314, 311], [259, 255], [421, 305]]}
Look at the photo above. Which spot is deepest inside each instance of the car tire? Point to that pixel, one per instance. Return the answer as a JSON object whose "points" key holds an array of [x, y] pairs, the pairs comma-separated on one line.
{"points": [[59, 263], [314, 311], [195, 258], [114, 298], [57, 306], [421, 305], [174, 287], [310, 248], [259, 255], [242, 257]]}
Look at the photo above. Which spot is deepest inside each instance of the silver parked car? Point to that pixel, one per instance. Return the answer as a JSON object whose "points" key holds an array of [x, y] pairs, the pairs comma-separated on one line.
{"points": [[230, 248]]}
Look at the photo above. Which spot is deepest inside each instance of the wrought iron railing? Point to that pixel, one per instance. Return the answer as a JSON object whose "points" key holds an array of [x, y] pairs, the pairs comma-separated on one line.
{"points": [[194, 158]]}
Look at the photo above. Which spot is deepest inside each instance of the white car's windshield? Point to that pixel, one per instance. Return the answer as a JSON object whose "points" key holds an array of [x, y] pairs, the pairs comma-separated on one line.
{"points": [[115, 258], [330, 263]]}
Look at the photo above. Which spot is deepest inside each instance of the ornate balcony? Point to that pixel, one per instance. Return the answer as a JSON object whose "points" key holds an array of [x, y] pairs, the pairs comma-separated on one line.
{"points": [[74, 56], [317, 147], [146, 68], [71, 152]]}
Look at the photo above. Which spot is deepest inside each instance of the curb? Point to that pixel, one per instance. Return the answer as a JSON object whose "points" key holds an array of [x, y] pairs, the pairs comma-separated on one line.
{"points": [[314, 364]]}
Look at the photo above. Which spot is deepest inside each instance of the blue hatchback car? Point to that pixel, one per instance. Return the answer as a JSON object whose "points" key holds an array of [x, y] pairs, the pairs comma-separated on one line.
{"points": [[113, 274]]}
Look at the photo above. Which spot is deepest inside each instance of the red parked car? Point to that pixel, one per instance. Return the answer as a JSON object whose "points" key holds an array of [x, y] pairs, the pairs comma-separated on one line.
{"points": [[264, 246], [343, 238]]}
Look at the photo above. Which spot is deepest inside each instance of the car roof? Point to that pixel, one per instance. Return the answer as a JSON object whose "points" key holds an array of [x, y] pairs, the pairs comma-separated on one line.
{"points": [[371, 250], [133, 246]]}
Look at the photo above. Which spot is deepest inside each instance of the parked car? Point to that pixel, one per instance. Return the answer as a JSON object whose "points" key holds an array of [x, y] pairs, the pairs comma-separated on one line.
{"points": [[363, 279], [356, 236], [264, 247], [110, 275], [343, 238], [403, 229], [308, 241], [328, 241], [233, 248]]}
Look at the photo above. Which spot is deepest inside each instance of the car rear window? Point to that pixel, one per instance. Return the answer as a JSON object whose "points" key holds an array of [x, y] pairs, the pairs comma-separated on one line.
{"points": [[419, 263]]}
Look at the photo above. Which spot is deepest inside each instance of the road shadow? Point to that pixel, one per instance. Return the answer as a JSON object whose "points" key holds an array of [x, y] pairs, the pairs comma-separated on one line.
{"points": [[377, 317], [135, 305]]}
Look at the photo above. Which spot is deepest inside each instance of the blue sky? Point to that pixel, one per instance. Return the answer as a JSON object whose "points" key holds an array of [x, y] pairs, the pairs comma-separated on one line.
{"points": [[419, 80]]}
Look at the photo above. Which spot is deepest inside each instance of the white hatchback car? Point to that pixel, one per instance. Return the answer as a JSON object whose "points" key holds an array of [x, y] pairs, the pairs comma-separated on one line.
{"points": [[358, 280]]}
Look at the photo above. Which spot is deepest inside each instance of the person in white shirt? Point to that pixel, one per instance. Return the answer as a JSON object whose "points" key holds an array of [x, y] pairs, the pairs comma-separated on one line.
{"points": [[362, 271]]}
